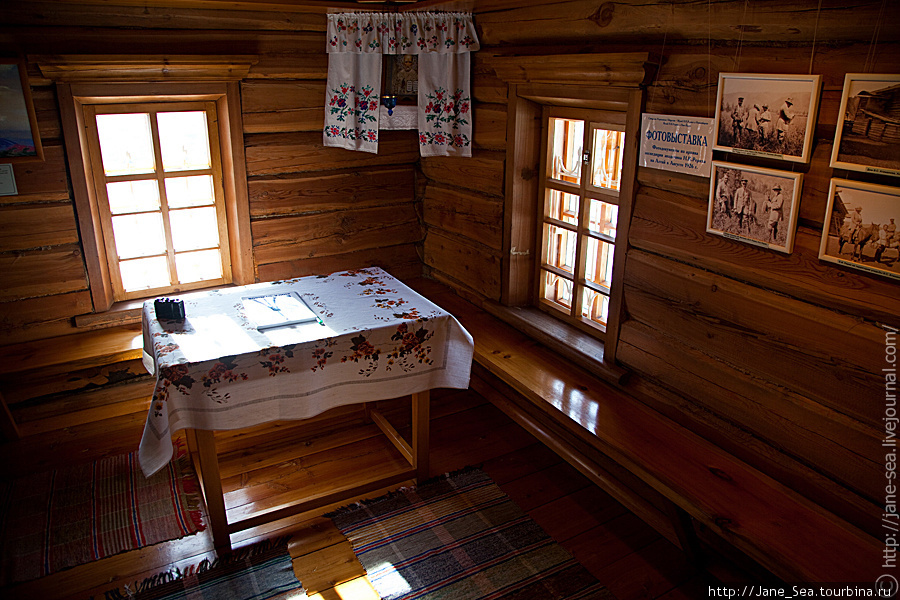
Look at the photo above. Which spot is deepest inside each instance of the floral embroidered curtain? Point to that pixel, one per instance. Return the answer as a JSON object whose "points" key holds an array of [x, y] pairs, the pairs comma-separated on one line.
{"points": [[442, 41]]}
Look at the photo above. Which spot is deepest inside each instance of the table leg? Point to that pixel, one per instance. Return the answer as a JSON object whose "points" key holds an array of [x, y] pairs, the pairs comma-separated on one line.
{"points": [[421, 422], [212, 488]]}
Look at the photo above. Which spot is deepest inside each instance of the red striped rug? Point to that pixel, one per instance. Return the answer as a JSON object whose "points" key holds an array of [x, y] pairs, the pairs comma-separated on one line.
{"points": [[59, 519], [460, 537]]}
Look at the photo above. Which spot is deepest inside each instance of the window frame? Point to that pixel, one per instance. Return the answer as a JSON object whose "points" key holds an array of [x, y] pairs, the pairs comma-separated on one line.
{"points": [[608, 81], [160, 176], [593, 120], [526, 101], [73, 96]]}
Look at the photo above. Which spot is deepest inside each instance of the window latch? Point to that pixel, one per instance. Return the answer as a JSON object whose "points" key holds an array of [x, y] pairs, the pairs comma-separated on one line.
{"points": [[586, 157]]}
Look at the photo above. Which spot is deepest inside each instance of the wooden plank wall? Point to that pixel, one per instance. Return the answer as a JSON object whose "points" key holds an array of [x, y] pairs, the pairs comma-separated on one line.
{"points": [[777, 358], [312, 209]]}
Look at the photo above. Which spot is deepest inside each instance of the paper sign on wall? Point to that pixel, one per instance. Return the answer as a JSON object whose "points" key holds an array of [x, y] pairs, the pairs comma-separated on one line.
{"points": [[673, 143], [7, 181]]}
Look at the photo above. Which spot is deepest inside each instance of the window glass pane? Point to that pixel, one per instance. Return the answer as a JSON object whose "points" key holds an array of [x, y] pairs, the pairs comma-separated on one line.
{"points": [[183, 140], [189, 191], [133, 196], [556, 289], [595, 306], [126, 147], [194, 228], [139, 235], [198, 266], [565, 145], [560, 244], [606, 170], [603, 218], [562, 206], [144, 273], [599, 263]]}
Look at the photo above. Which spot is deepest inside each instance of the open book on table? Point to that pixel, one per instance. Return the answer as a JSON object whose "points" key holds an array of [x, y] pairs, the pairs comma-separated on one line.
{"points": [[277, 310]]}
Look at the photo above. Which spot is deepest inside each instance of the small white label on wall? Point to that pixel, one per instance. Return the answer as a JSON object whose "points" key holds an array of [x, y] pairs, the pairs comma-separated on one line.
{"points": [[673, 143], [7, 181]]}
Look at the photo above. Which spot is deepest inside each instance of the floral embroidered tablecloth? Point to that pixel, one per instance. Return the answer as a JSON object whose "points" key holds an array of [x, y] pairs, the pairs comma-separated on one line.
{"points": [[376, 339]]}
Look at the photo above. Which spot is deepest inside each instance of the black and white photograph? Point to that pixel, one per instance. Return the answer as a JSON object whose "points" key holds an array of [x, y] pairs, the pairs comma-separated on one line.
{"points": [[754, 205], [767, 115], [868, 134], [860, 228]]}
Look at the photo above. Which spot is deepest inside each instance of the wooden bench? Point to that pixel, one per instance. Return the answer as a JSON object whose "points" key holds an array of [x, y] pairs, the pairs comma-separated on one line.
{"points": [[585, 419], [25, 364]]}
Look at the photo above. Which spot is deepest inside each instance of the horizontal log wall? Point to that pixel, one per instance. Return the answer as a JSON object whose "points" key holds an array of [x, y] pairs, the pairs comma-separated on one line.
{"points": [[777, 358], [312, 209]]}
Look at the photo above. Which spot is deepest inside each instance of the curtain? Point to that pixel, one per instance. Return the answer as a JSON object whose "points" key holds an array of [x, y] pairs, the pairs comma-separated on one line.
{"points": [[445, 108], [352, 101], [442, 41]]}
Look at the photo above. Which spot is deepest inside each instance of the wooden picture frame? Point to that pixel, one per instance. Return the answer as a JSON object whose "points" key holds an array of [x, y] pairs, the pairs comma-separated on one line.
{"points": [[867, 137], [773, 116], [20, 140], [856, 243], [763, 211]]}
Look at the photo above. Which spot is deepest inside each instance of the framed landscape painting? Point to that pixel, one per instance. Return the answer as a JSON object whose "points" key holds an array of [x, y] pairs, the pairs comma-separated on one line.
{"points": [[860, 229], [754, 205], [867, 137], [19, 137], [767, 115]]}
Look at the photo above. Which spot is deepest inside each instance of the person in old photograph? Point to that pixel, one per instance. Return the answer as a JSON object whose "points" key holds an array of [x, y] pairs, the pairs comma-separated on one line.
{"points": [[785, 116], [738, 118], [856, 221], [765, 124], [752, 124], [775, 208], [723, 195], [742, 200]]}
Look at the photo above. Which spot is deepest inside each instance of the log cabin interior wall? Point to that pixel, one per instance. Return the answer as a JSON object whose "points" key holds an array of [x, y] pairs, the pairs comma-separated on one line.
{"points": [[776, 358]]}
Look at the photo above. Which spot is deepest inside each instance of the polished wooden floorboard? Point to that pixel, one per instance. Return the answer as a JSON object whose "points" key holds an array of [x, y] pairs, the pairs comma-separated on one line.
{"points": [[282, 460]]}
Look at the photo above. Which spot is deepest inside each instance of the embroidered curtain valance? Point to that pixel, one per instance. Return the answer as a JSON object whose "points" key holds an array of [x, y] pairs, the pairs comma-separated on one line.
{"points": [[402, 33], [442, 41]]}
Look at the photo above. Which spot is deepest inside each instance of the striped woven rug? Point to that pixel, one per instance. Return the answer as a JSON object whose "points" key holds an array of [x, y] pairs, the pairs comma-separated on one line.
{"points": [[259, 572], [461, 537], [59, 519]]}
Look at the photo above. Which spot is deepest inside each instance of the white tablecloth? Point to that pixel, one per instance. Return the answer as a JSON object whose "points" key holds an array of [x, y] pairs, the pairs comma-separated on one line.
{"points": [[378, 339]]}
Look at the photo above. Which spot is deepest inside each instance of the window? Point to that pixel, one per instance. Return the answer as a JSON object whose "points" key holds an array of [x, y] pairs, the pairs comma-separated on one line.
{"points": [[566, 221], [157, 179], [581, 177], [93, 86]]}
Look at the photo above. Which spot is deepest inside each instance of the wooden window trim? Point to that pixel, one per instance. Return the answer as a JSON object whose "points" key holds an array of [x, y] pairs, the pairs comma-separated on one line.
{"points": [[604, 82], [226, 95], [159, 176]]}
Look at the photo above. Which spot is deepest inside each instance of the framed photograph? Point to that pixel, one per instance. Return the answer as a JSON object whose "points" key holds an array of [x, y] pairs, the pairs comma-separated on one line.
{"points": [[20, 140], [767, 115], [754, 205], [860, 229], [868, 132]]}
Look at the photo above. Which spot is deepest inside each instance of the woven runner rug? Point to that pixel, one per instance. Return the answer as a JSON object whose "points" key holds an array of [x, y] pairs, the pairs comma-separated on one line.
{"points": [[59, 519], [460, 537], [259, 572]]}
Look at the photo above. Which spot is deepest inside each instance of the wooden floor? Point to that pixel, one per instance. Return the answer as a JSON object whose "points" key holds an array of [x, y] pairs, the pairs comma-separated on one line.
{"points": [[268, 465]]}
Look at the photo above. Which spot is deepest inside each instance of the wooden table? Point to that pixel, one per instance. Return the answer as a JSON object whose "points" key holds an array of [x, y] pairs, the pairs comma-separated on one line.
{"points": [[376, 339]]}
